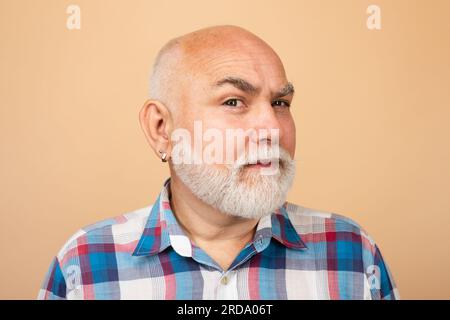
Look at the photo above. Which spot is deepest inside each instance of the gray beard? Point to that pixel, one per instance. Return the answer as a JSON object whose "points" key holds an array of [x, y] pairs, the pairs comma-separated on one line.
{"points": [[239, 191]]}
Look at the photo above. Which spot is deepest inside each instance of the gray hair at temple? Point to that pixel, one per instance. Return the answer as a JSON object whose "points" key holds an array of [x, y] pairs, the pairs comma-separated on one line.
{"points": [[164, 73]]}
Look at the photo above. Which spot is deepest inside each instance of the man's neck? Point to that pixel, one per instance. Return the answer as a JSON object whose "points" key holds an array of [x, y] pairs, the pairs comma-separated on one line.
{"points": [[220, 235]]}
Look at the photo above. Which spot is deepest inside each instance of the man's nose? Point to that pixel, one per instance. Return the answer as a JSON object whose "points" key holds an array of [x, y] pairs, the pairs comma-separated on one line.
{"points": [[266, 124]]}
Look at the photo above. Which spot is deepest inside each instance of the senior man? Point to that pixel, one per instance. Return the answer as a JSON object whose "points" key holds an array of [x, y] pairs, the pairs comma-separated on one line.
{"points": [[221, 229]]}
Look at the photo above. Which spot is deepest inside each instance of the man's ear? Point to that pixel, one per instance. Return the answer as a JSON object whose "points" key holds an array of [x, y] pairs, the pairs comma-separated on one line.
{"points": [[156, 122]]}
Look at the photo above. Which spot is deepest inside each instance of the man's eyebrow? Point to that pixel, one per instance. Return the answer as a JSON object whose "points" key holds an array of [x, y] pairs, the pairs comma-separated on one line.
{"points": [[247, 87], [287, 90], [238, 83]]}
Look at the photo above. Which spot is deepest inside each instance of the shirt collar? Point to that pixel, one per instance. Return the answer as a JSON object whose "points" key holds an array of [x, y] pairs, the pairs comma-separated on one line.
{"points": [[162, 229]]}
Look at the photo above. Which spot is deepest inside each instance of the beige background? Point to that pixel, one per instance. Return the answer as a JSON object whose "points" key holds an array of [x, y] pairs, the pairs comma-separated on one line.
{"points": [[372, 110]]}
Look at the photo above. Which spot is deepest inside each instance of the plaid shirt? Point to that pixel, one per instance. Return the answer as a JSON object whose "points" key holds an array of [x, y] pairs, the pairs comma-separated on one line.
{"points": [[296, 253]]}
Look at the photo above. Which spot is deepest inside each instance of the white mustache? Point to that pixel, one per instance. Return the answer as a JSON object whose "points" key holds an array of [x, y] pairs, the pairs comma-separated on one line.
{"points": [[266, 156]]}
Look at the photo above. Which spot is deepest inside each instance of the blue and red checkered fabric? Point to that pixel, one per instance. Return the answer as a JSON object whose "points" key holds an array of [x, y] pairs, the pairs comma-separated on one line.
{"points": [[296, 253]]}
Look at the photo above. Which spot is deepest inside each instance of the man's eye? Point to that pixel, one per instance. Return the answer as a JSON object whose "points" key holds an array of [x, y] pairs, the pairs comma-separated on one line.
{"points": [[233, 103], [281, 103]]}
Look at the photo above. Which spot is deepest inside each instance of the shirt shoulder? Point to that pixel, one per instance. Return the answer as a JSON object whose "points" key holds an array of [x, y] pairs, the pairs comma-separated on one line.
{"points": [[309, 221], [349, 242], [89, 256], [124, 229]]}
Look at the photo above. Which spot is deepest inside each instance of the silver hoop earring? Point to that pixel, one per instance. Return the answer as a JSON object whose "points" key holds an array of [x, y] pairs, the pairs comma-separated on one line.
{"points": [[163, 156]]}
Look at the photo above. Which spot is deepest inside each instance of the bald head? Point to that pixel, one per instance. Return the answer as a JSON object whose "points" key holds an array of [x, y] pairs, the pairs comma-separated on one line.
{"points": [[184, 58]]}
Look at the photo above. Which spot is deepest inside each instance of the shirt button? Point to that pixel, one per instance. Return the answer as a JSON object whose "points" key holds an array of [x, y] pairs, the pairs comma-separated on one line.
{"points": [[224, 280]]}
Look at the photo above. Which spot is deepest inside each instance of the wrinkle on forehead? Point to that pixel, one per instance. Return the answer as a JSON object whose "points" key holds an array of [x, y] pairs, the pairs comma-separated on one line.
{"points": [[205, 51], [223, 44]]}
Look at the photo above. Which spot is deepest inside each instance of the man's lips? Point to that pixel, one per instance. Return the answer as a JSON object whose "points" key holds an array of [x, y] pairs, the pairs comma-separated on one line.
{"points": [[259, 164]]}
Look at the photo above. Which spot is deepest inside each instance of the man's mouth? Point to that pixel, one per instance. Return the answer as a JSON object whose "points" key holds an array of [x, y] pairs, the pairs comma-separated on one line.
{"points": [[259, 164]]}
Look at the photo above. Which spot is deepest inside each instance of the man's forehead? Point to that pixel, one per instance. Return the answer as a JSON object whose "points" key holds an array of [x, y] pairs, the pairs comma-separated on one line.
{"points": [[242, 71], [220, 57]]}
